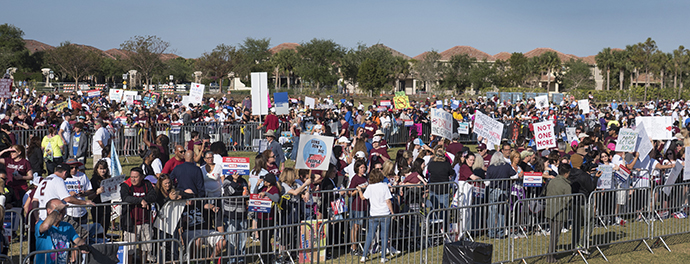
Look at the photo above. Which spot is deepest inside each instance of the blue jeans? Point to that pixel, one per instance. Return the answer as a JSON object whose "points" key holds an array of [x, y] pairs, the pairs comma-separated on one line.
{"points": [[239, 240], [439, 201], [295, 146], [385, 223], [497, 217]]}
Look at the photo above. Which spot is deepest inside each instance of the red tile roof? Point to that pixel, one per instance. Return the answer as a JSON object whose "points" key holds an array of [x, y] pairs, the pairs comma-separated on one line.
{"points": [[471, 51], [589, 60], [504, 56], [35, 46], [420, 56], [282, 46], [539, 51], [394, 52]]}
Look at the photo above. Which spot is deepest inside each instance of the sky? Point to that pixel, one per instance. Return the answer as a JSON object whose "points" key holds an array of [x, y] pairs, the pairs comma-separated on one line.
{"points": [[582, 27]]}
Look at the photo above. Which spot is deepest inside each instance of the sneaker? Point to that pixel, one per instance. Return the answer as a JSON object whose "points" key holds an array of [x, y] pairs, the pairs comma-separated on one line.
{"points": [[384, 260], [363, 260], [517, 235], [564, 230], [392, 251], [619, 221], [355, 252]]}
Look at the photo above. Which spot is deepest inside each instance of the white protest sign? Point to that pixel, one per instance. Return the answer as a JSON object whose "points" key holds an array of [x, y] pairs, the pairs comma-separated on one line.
{"points": [[544, 135], [186, 100], [463, 128], [259, 93], [488, 128], [541, 101], [686, 171], [571, 134], [606, 177], [196, 93], [441, 123], [168, 216], [116, 95], [314, 152], [5, 88], [129, 97], [627, 140], [672, 176], [644, 145], [532, 179], [259, 205], [583, 105], [235, 165], [657, 127], [111, 188], [310, 102]]}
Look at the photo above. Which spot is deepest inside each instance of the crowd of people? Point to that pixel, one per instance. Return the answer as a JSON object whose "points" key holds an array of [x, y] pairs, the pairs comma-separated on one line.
{"points": [[429, 172]]}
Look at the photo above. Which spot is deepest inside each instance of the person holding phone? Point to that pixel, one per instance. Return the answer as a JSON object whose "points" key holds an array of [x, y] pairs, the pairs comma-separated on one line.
{"points": [[53, 233]]}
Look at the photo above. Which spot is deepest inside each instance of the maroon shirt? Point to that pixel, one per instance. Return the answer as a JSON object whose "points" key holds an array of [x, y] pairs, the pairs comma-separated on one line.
{"points": [[464, 173], [454, 148], [357, 203], [412, 178]]}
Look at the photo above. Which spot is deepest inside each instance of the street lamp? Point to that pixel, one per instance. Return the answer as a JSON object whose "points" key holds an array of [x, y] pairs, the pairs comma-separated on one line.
{"points": [[124, 81], [171, 79]]}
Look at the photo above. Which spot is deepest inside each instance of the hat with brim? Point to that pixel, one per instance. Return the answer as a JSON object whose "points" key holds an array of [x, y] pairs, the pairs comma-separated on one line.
{"points": [[378, 133], [73, 162], [270, 133]]}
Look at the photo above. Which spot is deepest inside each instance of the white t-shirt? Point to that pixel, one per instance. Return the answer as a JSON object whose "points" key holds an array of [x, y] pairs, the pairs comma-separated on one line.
{"points": [[67, 131], [157, 166], [100, 135], [52, 187], [212, 183], [77, 183], [378, 194]]}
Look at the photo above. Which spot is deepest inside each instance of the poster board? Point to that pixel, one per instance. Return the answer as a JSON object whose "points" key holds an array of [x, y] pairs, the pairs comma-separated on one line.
{"points": [[129, 97], [672, 177], [239, 165], [5, 88], [310, 102], [463, 128], [627, 140], [282, 101], [259, 205], [168, 216], [544, 135], [314, 152], [605, 180], [259, 93], [686, 171], [657, 127], [488, 128], [571, 134], [441, 123], [532, 179], [386, 103], [541, 101], [196, 93], [111, 188], [310, 243], [583, 105], [401, 102], [92, 93], [116, 95], [644, 145]]}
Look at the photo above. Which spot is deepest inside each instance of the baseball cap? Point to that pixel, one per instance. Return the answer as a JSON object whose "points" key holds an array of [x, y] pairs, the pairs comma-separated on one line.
{"points": [[481, 146], [360, 154], [376, 139], [343, 140], [418, 141]]}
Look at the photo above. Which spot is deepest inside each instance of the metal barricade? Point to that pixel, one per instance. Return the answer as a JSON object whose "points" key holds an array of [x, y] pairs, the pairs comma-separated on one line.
{"points": [[159, 257], [4, 259], [669, 212]]}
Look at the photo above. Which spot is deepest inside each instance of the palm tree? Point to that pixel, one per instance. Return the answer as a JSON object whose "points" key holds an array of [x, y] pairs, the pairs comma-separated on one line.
{"points": [[649, 48], [678, 63], [550, 62], [401, 70], [605, 61], [620, 61], [285, 61]]}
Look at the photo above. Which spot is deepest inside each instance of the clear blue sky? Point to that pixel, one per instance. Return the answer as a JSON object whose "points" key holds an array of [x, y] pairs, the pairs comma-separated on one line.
{"points": [[581, 27]]}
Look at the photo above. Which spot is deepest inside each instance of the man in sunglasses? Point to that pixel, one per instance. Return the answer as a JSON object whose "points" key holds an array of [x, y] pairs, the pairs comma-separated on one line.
{"points": [[176, 160], [53, 233]]}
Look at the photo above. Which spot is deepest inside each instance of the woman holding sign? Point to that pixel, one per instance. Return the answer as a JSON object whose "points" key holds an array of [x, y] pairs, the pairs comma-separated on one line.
{"points": [[271, 190]]}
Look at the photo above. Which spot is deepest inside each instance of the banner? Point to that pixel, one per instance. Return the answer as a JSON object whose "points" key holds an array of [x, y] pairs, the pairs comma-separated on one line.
{"points": [[259, 205], [583, 105], [604, 181], [532, 179], [129, 97], [544, 135], [196, 93], [454, 104], [6, 88], [235, 165], [441, 123], [116, 95], [92, 93], [644, 145], [259, 93], [314, 152], [541, 101], [401, 102], [657, 127], [386, 103], [672, 177], [111, 188], [463, 128], [168, 216], [310, 102], [571, 134], [282, 101], [686, 171], [627, 140], [319, 229], [439, 104], [485, 126]]}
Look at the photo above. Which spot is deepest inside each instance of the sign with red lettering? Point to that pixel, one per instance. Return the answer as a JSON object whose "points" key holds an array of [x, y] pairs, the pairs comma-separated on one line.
{"points": [[544, 135], [5, 88], [259, 205], [488, 128], [235, 165], [314, 152], [441, 123]]}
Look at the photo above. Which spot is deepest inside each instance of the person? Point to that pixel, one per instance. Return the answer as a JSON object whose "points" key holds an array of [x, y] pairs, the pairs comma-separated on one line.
{"points": [[271, 123], [380, 208], [165, 191], [178, 159], [99, 140], [78, 185], [235, 209], [78, 146], [270, 189], [378, 151], [53, 187], [53, 233], [101, 215], [151, 165], [358, 207], [188, 177], [35, 156], [66, 131], [440, 171], [557, 208], [275, 147], [500, 171], [136, 218], [52, 149], [18, 171], [212, 176], [293, 206]]}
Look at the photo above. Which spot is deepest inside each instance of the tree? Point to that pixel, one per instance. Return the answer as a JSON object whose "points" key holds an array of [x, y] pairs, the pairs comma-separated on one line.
{"points": [[550, 62], [256, 54], [429, 69], [318, 61], [457, 73], [622, 63], [577, 75], [351, 62], [145, 54], [401, 70], [649, 48], [285, 61], [13, 53], [605, 62], [519, 69], [111, 68], [74, 61], [372, 77], [223, 60], [635, 60], [481, 75], [660, 65], [679, 62], [180, 68]]}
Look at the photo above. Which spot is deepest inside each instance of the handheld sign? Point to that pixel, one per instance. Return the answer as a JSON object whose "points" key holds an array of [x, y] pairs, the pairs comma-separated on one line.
{"points": [[542, 101], [644, 145], [605, 179], [233, 165], [463, 128], [314, 152], [488, 128], [111, 188], [282, 103], [5, 88], [544, 136], [657, 127], [441, 123], [686, 171], [571, 134], [259, 205], [627, 140], [532, 179], [583, 105]]}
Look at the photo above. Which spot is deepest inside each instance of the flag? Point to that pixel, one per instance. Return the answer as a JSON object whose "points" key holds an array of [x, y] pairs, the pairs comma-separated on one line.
{"points": [[115, 166], [623, 174]]}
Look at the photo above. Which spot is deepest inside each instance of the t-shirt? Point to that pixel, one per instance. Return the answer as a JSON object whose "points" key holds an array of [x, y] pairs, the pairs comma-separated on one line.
{"points": [[413, 178], [378, 194], [52, 187], [75, 144], [171, 164], [56, 237], [52, 146], [77, 183], [102, 135], [357, 203], [22, 167], [67, 131], [464, 173]]}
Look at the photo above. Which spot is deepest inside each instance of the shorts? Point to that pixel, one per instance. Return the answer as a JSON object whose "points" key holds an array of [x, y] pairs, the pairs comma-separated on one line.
{"points": [[621, 197], [358, 214], [191, 235], [143, 233]]}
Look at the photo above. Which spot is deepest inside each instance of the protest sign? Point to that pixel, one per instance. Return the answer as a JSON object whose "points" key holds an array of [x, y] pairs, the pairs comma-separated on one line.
{"points": [[111, 188], [454, 104], [544, 135], [532, 179], [441, 123], [259, 205], [583, 105], [386, 103], [672, 177], [571, 134], [259, 93], [644, 145], [401, 102], [5, 88], [686, 171], [116, 95], [657, 127], [92, 93], [488, 128], [233, 165], [282, 103], [196, 93], [400, 93], [168, 216], [541, 101], [627, 140], [309, 243], [129, 97], [310, 102], [604, 181], [314, 152], [439, 104], [464, 128]]}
